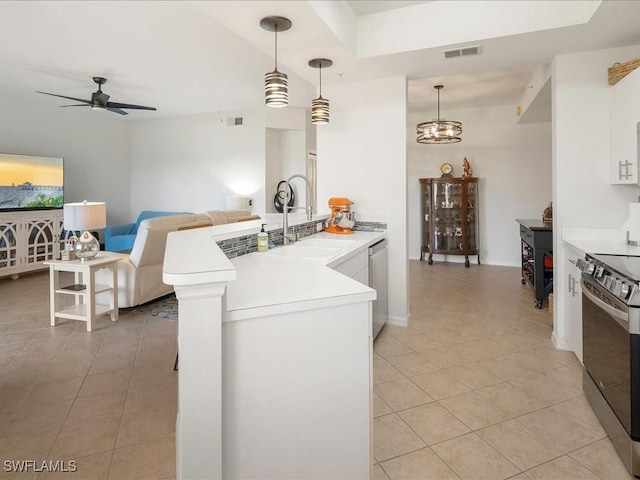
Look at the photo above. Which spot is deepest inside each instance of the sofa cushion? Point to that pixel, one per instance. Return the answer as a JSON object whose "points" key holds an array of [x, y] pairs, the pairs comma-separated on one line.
{"points": [[120, 238], [152, 234], [120, 243], [146, 214], [220, 217]]}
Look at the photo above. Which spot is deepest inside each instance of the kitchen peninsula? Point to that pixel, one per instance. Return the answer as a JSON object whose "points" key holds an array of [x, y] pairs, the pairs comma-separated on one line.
{"points": [[275, 373]]}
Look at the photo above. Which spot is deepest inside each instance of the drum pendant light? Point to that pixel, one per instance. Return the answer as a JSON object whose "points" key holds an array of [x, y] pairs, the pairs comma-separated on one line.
{"points": [[439, 131], [275, 83], [320, 106]]}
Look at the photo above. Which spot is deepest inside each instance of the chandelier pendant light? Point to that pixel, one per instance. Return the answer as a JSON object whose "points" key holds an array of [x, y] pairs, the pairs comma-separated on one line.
{"points": [[439, 131], [276, 92], [320, 106]]}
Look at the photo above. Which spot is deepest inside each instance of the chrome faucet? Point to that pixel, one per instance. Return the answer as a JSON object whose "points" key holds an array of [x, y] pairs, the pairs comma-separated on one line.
{"points": [[288, 237]]}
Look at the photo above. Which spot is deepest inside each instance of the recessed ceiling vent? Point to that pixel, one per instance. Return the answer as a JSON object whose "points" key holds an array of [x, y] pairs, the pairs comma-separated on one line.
{"points": [[463, 52], [233, 121]]}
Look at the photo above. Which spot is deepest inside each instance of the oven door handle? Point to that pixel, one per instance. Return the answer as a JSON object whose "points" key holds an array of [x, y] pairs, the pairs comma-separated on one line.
{"points": [[621, 317]]}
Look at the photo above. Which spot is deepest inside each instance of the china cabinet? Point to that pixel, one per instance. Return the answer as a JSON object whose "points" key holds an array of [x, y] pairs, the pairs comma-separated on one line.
{"points": [[27, 239], [450, 217]]}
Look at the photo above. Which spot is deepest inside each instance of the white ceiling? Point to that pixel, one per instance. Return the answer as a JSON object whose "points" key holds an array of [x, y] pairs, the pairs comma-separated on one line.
{"points": [[188, 57], [366, 7]]}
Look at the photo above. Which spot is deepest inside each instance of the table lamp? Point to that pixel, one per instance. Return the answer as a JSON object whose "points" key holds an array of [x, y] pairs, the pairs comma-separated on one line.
{"points": [[85, 216]]}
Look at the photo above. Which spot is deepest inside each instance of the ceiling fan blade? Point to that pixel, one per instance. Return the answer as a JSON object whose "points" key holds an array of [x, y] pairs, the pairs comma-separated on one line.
{"points": [[127, 105], [81, 105], [116, 110], [88, 102]]}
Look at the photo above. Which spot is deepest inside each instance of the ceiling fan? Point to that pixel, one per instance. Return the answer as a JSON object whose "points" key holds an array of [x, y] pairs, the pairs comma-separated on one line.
{"points": [[100, 100]]}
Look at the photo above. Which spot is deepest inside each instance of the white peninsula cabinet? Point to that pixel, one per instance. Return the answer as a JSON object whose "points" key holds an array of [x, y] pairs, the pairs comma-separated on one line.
{"points": [[625, 115], [297, 375], [276, 361]]}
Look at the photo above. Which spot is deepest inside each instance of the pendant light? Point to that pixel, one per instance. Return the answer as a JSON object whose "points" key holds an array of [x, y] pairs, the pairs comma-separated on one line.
{"points": [[275, 83], [320, 106], [439, 131]]}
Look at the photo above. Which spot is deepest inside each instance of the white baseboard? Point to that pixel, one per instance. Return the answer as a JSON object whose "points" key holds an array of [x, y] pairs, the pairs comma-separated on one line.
{"points": [[398, 321], [560, 343]]}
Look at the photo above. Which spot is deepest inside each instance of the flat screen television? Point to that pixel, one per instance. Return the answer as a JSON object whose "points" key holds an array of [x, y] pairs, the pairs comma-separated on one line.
{"points": [[29, 182]]}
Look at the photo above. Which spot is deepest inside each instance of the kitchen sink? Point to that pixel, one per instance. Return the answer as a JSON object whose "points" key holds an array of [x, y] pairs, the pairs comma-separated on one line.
{"points": [[326, 242], [301, 251]]}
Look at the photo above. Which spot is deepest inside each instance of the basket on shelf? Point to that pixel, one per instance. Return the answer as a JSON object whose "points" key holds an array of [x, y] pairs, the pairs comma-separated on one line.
{"points": [[620, 70]]}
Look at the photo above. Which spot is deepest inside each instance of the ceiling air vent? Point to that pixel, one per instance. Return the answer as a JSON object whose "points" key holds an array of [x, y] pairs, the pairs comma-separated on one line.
{"points": [[462, 52], [233, 121]]}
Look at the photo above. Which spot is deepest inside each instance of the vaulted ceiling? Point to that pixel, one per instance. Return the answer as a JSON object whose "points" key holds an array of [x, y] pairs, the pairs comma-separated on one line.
{"points": [[187, 57]]}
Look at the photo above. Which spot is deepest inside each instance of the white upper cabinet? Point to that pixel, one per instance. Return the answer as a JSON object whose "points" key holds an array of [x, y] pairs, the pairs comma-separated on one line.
{"points": [[625, 115]]}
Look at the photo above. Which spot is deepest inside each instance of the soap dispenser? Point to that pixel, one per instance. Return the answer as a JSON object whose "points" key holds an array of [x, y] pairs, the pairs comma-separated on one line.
{"points": [[263, 240]]}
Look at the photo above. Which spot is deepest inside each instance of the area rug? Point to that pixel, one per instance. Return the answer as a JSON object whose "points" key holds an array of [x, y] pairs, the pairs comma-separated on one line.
{"points": [[164, 307]]}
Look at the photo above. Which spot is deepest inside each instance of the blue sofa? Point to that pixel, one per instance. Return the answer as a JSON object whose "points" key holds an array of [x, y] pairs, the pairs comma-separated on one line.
{"points": [[120, 238]]}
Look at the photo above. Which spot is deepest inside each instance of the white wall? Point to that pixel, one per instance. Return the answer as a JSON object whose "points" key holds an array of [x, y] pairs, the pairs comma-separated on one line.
{"points": [[273, 170], [285, 155], [513, 164], [294, 160], [362, 156], [290, 135], [583, 196], [94, 145], [191, 163]]}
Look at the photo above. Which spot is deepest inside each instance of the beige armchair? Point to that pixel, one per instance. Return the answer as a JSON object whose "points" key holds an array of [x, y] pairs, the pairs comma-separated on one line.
{"points": [[140, 272]]}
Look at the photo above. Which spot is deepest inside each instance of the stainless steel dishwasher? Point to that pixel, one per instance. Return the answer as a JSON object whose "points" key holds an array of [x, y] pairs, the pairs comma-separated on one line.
{"points": [[378, 281]]}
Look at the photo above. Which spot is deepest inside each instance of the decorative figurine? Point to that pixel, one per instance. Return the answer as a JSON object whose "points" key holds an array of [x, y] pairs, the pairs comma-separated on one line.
{"points": [[467, 168], [547, 215]]}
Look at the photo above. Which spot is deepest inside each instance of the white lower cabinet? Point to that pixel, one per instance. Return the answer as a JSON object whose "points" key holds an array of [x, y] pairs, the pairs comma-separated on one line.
{"points": [[296, 394], [572, 295], [27, 239]]}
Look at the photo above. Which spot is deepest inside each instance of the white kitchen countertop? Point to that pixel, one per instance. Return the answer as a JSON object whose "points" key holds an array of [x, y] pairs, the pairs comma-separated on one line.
{"points": [[267, 284], [261, 284], [608, 241], [192, 257]]}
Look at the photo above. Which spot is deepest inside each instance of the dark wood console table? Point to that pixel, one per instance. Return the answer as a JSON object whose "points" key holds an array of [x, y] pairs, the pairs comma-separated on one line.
{"points": [[537, 257]]}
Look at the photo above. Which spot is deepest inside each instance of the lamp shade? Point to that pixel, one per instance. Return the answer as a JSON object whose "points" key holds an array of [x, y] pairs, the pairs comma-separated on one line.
{"points": [[320, 106], [440, 131], [85, 216], [276, 93]]}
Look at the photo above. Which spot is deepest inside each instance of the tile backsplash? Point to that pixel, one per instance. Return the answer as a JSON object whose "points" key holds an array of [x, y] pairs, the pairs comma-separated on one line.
{"points": [[238, 246], [369, 226]]}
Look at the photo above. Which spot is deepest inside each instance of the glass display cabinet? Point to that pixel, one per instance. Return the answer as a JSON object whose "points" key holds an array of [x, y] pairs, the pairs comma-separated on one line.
{"points": [[450, 217]]}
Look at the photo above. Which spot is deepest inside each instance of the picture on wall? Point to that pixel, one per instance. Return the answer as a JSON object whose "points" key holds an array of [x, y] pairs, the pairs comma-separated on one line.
{"points": [[29, 182]]}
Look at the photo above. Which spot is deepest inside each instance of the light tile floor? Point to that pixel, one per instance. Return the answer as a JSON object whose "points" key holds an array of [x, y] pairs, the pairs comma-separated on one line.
{"points": [[105, 399], [472, 389]]}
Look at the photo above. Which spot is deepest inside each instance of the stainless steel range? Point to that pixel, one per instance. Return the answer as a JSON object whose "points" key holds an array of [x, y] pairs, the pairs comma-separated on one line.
{"points": [[611, 349]]}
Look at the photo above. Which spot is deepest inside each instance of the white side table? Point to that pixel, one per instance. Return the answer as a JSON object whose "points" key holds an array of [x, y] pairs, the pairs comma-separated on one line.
{"points": [[84, 289]]}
